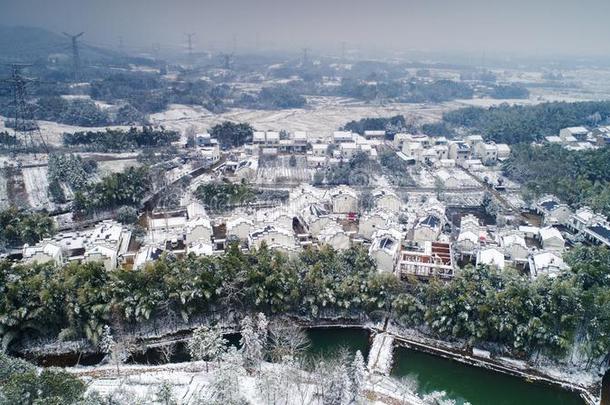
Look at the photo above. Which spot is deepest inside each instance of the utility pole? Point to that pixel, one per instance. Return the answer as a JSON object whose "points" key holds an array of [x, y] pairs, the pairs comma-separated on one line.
{"points": [[75, 53], [24, 125]]}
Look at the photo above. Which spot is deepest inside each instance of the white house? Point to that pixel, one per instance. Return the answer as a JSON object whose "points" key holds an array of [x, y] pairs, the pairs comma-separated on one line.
{"points": [[44, 251], [344, 200], [314, 217], [275, 237], [503, 151], [577, 133], [546, 263], [334, 236], [342, 136], [553, 211], [487, 152], [239, 227], [551, 239], [373, 221], [491, 256], [427, 229], [198, 229], [468, 238], [412, 150], [515, 247], [386, 199], [459, 151], [385, 249], [104, 253]]}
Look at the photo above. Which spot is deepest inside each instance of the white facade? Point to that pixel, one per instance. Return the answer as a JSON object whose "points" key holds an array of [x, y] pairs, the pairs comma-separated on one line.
{"points": [[344, 200], [551, 239], [240, 227], [333, 235], [385, 249], [492, 257], [372, 222]]}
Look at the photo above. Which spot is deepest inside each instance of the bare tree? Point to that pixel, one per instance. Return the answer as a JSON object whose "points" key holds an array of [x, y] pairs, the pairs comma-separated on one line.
{"points": [[287, 340], [167, 351]]}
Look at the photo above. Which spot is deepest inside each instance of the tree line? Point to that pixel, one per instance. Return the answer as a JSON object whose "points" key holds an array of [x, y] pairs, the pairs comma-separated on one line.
{"points": [[502, 310], [526, 123], [577, 177], [113, 140]]}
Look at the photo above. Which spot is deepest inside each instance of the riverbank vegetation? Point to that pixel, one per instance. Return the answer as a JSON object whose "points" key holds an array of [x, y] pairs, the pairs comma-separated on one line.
{"points": [[506, 311], [578, 177]]}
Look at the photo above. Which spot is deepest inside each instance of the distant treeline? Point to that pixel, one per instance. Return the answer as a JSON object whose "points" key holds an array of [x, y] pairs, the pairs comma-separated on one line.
{"points": [[515, 123], [119, 140]]}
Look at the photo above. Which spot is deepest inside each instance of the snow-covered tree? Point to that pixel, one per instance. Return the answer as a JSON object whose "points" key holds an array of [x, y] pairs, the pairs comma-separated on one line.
{"points": [[118, 349], [274, 386], [253, 340], [224, 388], [165, 394], [358, 374], [207, 344]]}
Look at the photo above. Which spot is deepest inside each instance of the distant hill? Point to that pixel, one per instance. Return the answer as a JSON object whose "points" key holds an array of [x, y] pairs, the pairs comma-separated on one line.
{"points": [[30, 44]]}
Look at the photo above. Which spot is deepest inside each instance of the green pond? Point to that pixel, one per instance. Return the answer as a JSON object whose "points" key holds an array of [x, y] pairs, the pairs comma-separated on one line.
{"points": [[477, 386], [461, 382]]}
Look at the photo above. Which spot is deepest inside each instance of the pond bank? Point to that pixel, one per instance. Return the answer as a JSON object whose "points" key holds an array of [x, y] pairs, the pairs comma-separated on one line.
{"points": [[588, 388]]}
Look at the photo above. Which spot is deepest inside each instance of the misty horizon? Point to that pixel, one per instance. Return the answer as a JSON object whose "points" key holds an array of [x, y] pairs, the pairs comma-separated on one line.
{"points": [[475, 27]]}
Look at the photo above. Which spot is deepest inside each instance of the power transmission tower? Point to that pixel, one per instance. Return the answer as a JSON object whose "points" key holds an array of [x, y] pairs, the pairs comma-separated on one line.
{"points": [[24, 125], [227, 60], [75, 53], [305, 56], [189, 38]]}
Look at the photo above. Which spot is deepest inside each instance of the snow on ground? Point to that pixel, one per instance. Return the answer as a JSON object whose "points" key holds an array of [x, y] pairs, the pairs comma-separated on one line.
{"points": [[52, 131], [192, 381], [115, 166], [380, 356], [36, 186], [4, 202], [323, 115]]}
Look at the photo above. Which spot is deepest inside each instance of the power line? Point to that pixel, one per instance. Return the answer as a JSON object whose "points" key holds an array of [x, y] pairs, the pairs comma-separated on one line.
{"points": [[24, 124], [75, 54]]}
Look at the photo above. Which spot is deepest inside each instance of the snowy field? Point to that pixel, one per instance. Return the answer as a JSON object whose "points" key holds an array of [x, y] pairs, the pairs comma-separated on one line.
{"points": [[323, 115], [195, 382], [115, 166], [36, 186]]}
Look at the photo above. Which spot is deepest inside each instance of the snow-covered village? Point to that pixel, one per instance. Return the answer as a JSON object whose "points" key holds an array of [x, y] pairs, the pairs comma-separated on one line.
{"points": [[237, 215]]}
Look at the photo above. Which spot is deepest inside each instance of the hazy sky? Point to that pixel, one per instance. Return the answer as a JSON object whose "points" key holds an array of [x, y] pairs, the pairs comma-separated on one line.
{"points": [[493, 26]]}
